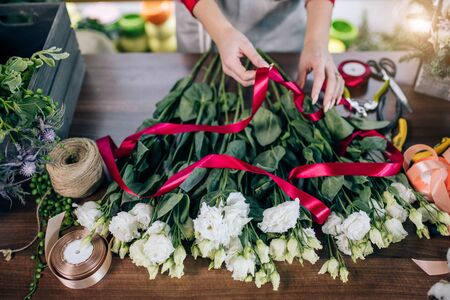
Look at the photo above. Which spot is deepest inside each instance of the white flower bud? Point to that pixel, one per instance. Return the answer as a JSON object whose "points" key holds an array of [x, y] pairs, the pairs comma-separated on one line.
{"points": [[123, 251], [179, 255], [376, 237], [292, 246], [278, 249], [310, 255], [188, 229], [206, 248], [219, 258], [416, 217], [152, 271], [275, 279], [176, 271], [167, 265], [260, 278], [262, 250], [396, 229], [343, 274]]}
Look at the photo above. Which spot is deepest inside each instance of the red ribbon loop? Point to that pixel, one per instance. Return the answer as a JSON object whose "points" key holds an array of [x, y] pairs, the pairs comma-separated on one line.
{"points": [[353, 169]]}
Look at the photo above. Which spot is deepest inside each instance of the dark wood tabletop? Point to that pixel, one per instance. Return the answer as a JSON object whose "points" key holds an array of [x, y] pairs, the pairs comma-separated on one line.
{"points": [[120, 91]]}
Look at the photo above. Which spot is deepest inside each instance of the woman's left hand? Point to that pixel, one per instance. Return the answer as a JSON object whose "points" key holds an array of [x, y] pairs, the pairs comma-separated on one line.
{"points": [[316, 58]]}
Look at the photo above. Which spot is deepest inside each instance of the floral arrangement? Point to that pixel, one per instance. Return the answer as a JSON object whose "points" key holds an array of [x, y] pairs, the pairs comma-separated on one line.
{"points": [[244, 221], [28, 120]]}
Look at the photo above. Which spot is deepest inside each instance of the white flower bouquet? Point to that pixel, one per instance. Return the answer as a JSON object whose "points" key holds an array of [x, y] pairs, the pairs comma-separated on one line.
{"points": [[242, 221]]}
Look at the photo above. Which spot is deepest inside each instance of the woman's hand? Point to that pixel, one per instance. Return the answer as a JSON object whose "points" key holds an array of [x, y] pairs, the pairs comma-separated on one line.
{"points": [[233, 45], [315, 58]]}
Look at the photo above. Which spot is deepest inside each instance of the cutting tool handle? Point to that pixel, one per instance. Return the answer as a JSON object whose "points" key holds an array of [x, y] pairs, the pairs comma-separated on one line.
{"points": [[381, 91], [439, 148], [400, 139]]}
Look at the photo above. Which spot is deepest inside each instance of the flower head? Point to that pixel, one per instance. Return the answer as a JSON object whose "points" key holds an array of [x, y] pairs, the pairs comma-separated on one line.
{"points": [[395, 228], [210, 225], [333, 224], [142, 212], [280, 218], [236, 213], [158, 248], [124, 227], [28, 168], [404, 192], [356, 226], [87, 214]]}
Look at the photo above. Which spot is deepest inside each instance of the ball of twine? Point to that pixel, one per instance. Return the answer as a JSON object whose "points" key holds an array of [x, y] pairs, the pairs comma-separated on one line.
{"points": [[76, 169]]}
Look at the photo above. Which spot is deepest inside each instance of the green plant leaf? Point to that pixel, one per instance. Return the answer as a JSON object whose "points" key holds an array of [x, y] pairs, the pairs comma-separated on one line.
{"points": [[191, 99], [365, 124], [167, 203], [196, 176], [339, 128], [331, 186], [269, 160], [371, 143], [236, 149], [303, 129], [267, 126]]}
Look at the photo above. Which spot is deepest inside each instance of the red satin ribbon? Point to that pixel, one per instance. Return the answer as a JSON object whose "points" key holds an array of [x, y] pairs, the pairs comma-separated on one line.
{"points": [[318, 210], [353, 169], [263, 75], [355, 81]]}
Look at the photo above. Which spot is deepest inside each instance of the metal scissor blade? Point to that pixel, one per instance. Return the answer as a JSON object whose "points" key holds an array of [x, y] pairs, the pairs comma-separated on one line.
{"points": [[400, 95]]}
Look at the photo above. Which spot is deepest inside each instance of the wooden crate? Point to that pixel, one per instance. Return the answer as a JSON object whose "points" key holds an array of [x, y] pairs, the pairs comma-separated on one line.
{"points": [[27, 28]]}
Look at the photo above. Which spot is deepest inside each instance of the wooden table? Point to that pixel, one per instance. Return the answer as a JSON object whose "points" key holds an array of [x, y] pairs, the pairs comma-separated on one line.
{"points": [[119, 91]]}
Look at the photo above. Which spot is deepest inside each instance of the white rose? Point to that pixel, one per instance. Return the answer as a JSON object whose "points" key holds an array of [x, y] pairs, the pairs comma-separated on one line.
{"points": [[143, 214], [158, 248], [395, 228], [87, 214], [124, 227], [236, 214], [158, 227], [356, 226], [332, 225], [241, 266], [405, 193], [137, 253], [278, 249], [209, 225], [280, 218], [396, 211], [343, 244]]}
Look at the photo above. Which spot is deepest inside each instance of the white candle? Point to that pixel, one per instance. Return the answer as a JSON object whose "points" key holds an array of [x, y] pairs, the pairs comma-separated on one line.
{"points": [[75, 254]]}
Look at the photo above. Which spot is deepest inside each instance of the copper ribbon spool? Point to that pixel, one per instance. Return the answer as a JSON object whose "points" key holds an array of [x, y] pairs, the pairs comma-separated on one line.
{"points": [[88, 266]]}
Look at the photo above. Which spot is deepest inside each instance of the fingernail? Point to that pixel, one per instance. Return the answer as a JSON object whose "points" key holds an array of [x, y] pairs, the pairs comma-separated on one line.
{"points": [[314, 99], [264, 64]]}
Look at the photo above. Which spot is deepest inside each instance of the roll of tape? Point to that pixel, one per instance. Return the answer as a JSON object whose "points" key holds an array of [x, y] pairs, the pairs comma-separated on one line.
{"points": [[344, 31], [355, 73], [77, 266]]}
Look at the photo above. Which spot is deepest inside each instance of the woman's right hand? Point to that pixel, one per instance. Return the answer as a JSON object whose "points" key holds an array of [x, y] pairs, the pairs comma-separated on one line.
{"points": [[233, 45]]}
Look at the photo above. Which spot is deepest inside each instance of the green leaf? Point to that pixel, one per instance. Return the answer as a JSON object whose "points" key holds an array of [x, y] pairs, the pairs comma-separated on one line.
{"points": [[337, 125], [196, 176], [256, 211], [236, 149], [371, 143], [331, 186], [191, 99], [17, 64], [361, 205], [167, 203], [201, 144], [213, 181], [267, 126], [365, 194], [365, 124], [269, 160], [303, 129]]}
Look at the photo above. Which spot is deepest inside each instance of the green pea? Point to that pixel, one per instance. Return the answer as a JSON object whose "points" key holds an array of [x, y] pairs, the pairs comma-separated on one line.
{"points": [[37, 276], [32, 185], [67, 207], [40, 252], [33, 257], [39, 270], [34, 192], [40, 234]]}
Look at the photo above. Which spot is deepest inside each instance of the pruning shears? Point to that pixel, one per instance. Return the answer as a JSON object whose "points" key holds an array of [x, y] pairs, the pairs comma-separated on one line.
{"points": [[385, 69]]}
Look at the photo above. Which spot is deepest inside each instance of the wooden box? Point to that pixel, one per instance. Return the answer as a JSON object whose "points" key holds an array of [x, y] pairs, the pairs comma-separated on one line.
{"points": [[27, 28]]}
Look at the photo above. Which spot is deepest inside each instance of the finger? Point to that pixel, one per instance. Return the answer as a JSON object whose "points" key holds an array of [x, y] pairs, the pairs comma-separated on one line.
{"points": [[302, 73], [237, 77], [330, 89], [250, 52], [340, 90], [336, 91], [319, 77]]}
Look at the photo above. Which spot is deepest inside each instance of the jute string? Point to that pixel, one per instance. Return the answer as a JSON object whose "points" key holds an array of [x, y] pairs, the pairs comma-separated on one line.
{"points": [[76, 170]]}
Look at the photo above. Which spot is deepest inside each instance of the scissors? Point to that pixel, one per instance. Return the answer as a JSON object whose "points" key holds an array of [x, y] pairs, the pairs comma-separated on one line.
{"points": [[385, 69]]}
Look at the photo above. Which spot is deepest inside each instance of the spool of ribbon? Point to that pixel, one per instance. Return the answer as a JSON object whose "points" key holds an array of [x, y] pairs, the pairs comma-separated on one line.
{"points": [[77, 266], [76, 169], [355, 168], [431, 175], [355, 73]]}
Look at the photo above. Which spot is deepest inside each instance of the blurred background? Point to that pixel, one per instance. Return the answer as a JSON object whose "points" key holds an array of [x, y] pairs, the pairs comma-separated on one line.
{"points": [[142, 26]]}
